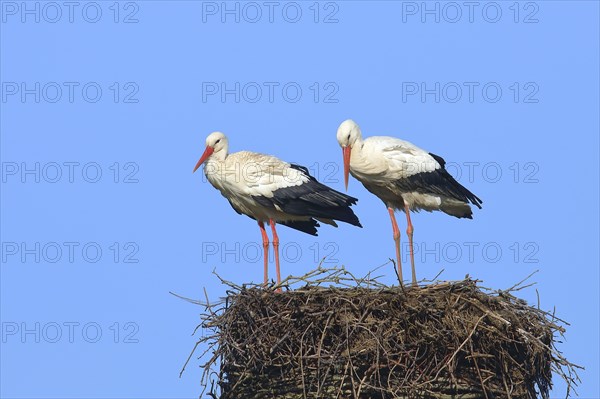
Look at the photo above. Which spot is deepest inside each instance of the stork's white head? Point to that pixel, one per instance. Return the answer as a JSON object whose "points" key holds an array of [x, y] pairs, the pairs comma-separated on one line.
{"points": [[216, 145], [347, 135]]}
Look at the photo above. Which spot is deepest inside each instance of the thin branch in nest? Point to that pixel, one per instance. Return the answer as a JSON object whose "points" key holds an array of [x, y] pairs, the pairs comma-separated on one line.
{"points": [[515, 287]]}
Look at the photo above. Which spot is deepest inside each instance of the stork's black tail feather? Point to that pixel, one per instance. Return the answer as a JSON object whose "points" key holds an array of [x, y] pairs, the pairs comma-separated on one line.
{"points": [[306, 226]]}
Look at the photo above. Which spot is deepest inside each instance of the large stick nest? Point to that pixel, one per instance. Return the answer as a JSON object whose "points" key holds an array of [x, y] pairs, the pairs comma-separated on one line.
{"points": [[358, 338]]}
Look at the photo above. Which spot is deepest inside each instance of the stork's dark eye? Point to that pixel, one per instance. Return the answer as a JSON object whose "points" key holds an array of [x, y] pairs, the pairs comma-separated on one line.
{"points": [[217, 142], [348, 137]]}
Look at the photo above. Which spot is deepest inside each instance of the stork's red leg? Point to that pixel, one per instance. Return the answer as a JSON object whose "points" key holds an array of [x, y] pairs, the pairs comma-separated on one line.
{"points": [[397, 241], [276, 250], [409, 232], [265, 239]]}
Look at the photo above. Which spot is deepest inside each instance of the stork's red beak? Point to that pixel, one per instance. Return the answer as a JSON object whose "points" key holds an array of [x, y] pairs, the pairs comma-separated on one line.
{"points": [[207, 153], [346, 153]]}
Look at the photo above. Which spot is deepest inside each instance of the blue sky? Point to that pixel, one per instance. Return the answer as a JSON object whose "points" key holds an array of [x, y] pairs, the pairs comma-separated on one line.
{"points": [[105, 108]]}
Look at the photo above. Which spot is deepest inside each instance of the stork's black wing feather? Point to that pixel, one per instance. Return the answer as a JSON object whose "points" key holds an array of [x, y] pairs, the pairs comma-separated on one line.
{"points": [[438, 182], [313, 199], [439, 160]]}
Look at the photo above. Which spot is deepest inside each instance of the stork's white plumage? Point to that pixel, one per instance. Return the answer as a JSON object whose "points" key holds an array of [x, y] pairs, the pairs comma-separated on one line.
{"points": [[273, 191], [404, 177]]}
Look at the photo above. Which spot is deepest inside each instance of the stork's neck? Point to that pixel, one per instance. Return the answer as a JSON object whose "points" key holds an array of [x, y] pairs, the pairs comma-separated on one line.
{"points": [[215, 167], [357, 147], [219, 156]]}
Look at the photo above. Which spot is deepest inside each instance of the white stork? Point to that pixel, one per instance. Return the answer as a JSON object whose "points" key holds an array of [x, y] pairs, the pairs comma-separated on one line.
{"points": [[269, 190], [404, 177]]}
